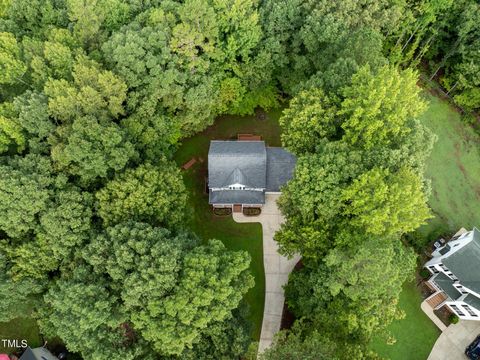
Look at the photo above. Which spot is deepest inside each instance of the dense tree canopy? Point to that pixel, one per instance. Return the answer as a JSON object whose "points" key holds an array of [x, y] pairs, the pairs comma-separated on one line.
{"points": [[155, 194], [95, 97]]}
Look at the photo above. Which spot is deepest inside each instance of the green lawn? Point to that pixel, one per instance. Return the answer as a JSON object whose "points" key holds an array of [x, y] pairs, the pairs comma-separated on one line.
{"points": [[454, 170], [20, 329], [235, 236], [415, 334]]}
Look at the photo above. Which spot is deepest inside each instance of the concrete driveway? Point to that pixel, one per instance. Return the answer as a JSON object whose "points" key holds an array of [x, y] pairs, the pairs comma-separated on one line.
{"points": [[277, 268], [452, 342]]}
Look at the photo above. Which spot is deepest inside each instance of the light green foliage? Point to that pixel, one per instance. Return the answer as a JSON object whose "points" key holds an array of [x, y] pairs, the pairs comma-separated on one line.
{"points": [[12, 67], [293, 345], [377, 106], [211, 284], [93, 92], [90, 17], [34, 17], [154, 194], [210, 63], [309, 118], [343, 284], [45, 221], [383, 203], [90, 149], [312, 200], [412, 39]]}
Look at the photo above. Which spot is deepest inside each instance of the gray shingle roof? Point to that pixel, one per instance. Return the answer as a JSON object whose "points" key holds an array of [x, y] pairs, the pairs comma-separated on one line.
{"points": [[37, 354], [246, 157], [249, 163], [446, 284], [465, 263], [236, 197], [473, 301], [280, 167]]}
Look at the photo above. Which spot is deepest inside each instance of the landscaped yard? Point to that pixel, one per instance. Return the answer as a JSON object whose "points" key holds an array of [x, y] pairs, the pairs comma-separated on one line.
{"points": [[454, 170], [235, 236], [415, 334]]}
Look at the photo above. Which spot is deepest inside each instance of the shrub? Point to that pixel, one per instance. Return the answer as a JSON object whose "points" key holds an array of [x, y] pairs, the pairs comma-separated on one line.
{"points": [[424, 273], [222, 211], [454, 319], [251, 211]]}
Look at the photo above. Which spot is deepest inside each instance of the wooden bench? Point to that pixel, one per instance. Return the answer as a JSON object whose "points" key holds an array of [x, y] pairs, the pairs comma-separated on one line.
{"points": [[248, 137], [189, 164]]}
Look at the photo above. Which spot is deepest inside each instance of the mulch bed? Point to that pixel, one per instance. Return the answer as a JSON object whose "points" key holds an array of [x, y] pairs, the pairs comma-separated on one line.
{"points": [[443, 314], [251, 211], [222, 211]]}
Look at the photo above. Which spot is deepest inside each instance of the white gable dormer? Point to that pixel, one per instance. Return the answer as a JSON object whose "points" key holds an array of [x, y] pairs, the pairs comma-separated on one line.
{"points": [[236, 186]]}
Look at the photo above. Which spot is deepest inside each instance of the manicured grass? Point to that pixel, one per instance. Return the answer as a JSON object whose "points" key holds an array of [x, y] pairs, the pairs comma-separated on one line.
{"points": [[20, 329], [415, 334], [454, 171], [202, 220]]}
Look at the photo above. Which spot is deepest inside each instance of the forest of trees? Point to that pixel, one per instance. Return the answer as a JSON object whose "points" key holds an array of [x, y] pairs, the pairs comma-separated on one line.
{"points": [[95, 97]]}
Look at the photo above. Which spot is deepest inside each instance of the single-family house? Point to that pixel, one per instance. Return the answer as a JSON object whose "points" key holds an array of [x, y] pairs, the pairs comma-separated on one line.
{"points": [[240, 173], [455, 269]]}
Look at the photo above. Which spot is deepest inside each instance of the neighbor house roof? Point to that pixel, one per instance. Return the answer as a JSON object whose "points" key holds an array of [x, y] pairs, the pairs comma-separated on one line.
{"points": [[244, 161], [465, 263], [446, 284], [472, 301], [37, 354]]}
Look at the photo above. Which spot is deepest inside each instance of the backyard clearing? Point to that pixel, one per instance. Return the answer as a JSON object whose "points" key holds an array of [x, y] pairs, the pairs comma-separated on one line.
{"points": [[454, 171], [204, 223]]}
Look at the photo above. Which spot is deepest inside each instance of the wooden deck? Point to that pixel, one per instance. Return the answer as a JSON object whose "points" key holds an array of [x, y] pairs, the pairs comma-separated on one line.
{"points": [[248, 137], [436, 299]]}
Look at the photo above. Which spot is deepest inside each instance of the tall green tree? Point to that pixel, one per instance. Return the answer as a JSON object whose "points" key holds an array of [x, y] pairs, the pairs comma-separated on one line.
{"points": [[173, 291], [310, 117], [385, 203], [359, 283], [90, 149], [12, 67], [149, 193], [377, 106]]}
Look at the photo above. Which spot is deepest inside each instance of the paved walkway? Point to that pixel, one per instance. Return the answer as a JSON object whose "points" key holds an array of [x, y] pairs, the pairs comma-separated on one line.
{"points": [[427, 309], [277, 268], [452, 342]]}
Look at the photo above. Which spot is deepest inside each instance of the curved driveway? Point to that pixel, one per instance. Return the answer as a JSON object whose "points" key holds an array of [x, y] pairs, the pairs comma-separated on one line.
{"points": [[452, 342], [277, 268]]}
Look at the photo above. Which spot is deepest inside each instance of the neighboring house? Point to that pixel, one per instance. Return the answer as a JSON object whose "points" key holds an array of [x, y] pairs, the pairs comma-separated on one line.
{"points": [[456, 275], [39, 353], [240, 173]]}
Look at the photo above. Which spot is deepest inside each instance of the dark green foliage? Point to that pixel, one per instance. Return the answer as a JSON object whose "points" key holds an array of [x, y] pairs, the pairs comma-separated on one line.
{"points": [[94, 99]]}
